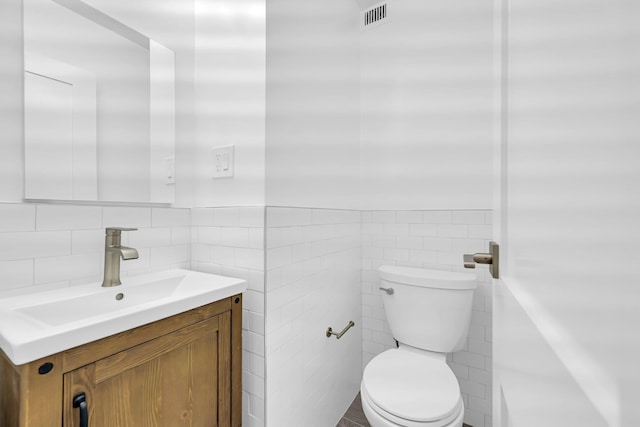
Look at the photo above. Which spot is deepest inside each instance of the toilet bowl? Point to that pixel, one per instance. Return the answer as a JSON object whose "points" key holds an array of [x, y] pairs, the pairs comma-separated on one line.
{"points": [[402, 387], [428, 312]]}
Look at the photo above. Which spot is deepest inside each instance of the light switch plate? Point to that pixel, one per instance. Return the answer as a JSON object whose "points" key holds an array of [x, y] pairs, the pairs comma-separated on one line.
{"points": [[223, 161]]}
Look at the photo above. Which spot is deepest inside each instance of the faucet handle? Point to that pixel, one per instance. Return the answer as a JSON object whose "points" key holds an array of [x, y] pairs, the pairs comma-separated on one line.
{"points": [[116, 231]]}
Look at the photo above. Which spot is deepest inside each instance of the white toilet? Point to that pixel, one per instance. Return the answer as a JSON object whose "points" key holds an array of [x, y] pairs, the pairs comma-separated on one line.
{"points": [[428, 312]]}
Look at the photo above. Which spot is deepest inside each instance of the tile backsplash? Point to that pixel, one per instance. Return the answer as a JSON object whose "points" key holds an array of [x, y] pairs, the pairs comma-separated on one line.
{"points": [[44, 245], [230, 241]]}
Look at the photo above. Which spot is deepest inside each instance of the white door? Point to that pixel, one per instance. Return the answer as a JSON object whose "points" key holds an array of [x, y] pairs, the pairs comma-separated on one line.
{"points": [[567, 305]]}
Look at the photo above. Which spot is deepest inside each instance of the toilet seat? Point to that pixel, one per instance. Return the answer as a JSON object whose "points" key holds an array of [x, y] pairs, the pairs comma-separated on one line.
{"points": [[410, 389], [378, 417]]}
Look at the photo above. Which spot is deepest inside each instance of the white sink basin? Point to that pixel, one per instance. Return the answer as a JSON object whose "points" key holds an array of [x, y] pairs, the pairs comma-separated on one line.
{"points": [[38, 325]]}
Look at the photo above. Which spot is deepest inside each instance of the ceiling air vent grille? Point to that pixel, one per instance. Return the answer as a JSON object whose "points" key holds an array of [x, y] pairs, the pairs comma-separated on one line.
{"points": [[377, 15]]}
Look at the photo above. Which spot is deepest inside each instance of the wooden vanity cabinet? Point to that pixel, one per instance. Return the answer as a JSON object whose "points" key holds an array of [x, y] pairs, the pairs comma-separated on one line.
{"points": [[181, 371]]}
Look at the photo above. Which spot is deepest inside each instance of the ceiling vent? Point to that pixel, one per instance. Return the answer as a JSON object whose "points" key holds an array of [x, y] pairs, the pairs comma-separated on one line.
{"points": [[375, 16]]}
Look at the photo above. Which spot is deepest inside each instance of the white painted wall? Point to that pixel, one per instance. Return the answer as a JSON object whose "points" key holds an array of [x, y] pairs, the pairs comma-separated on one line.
{"points": [[230, 100], [426, 90], [312, 104]]}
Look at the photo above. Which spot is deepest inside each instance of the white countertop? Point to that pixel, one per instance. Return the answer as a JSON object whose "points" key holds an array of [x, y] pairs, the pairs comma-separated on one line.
{"points": [[40, 324]]}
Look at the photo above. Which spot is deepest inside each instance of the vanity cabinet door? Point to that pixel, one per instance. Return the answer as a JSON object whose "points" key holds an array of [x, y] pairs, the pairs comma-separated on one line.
{"points": [[179, 379]]}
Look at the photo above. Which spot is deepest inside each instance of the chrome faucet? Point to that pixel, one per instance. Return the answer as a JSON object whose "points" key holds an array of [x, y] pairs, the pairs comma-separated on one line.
{"points": [[113, 251]]}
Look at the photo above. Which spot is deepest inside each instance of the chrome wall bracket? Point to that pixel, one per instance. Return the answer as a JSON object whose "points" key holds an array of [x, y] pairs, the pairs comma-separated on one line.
{"points": [[342, 332]]}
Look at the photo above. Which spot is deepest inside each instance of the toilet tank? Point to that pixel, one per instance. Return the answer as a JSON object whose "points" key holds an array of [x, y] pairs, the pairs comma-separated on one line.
{"points": [[428, 309]]}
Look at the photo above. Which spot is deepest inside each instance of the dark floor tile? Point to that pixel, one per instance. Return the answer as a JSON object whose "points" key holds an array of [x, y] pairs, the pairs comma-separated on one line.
{"points": [[344, 422], [355, 412], [354, 417]]}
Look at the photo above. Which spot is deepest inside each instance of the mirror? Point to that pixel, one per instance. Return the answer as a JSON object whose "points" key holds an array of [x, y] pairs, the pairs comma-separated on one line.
{"points": [[99, 107]]}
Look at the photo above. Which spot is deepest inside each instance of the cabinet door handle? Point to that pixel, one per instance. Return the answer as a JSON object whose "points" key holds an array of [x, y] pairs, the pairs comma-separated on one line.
{"points": [[80, 401]]}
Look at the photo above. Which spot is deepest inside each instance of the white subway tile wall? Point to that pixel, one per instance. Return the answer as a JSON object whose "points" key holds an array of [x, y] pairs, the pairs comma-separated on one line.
{"points": [[44, 245], [320, 271], [432, 239], [312, 282], [229, 241]]}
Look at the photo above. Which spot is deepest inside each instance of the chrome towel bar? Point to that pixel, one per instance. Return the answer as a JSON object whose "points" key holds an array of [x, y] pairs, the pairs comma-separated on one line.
{"points": [[342, 332]]}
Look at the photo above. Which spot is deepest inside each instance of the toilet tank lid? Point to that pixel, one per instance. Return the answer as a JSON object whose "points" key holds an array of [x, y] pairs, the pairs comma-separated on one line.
{"points": [[427, 278]]}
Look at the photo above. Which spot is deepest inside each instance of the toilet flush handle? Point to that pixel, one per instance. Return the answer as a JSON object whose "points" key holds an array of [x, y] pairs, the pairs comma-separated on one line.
{"points": [[389, 291]]}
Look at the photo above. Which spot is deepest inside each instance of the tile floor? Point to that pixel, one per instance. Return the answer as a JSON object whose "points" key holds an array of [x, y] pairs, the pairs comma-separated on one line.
{"points": [[354, 417]]}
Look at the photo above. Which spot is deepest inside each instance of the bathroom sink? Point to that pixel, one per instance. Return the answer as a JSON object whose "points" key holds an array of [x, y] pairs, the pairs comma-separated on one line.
{"points": [[38, 325]]}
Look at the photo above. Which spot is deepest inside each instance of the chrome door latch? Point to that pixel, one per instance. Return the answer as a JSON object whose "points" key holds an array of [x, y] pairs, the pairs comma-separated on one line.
{"points": [[492, 258]]}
